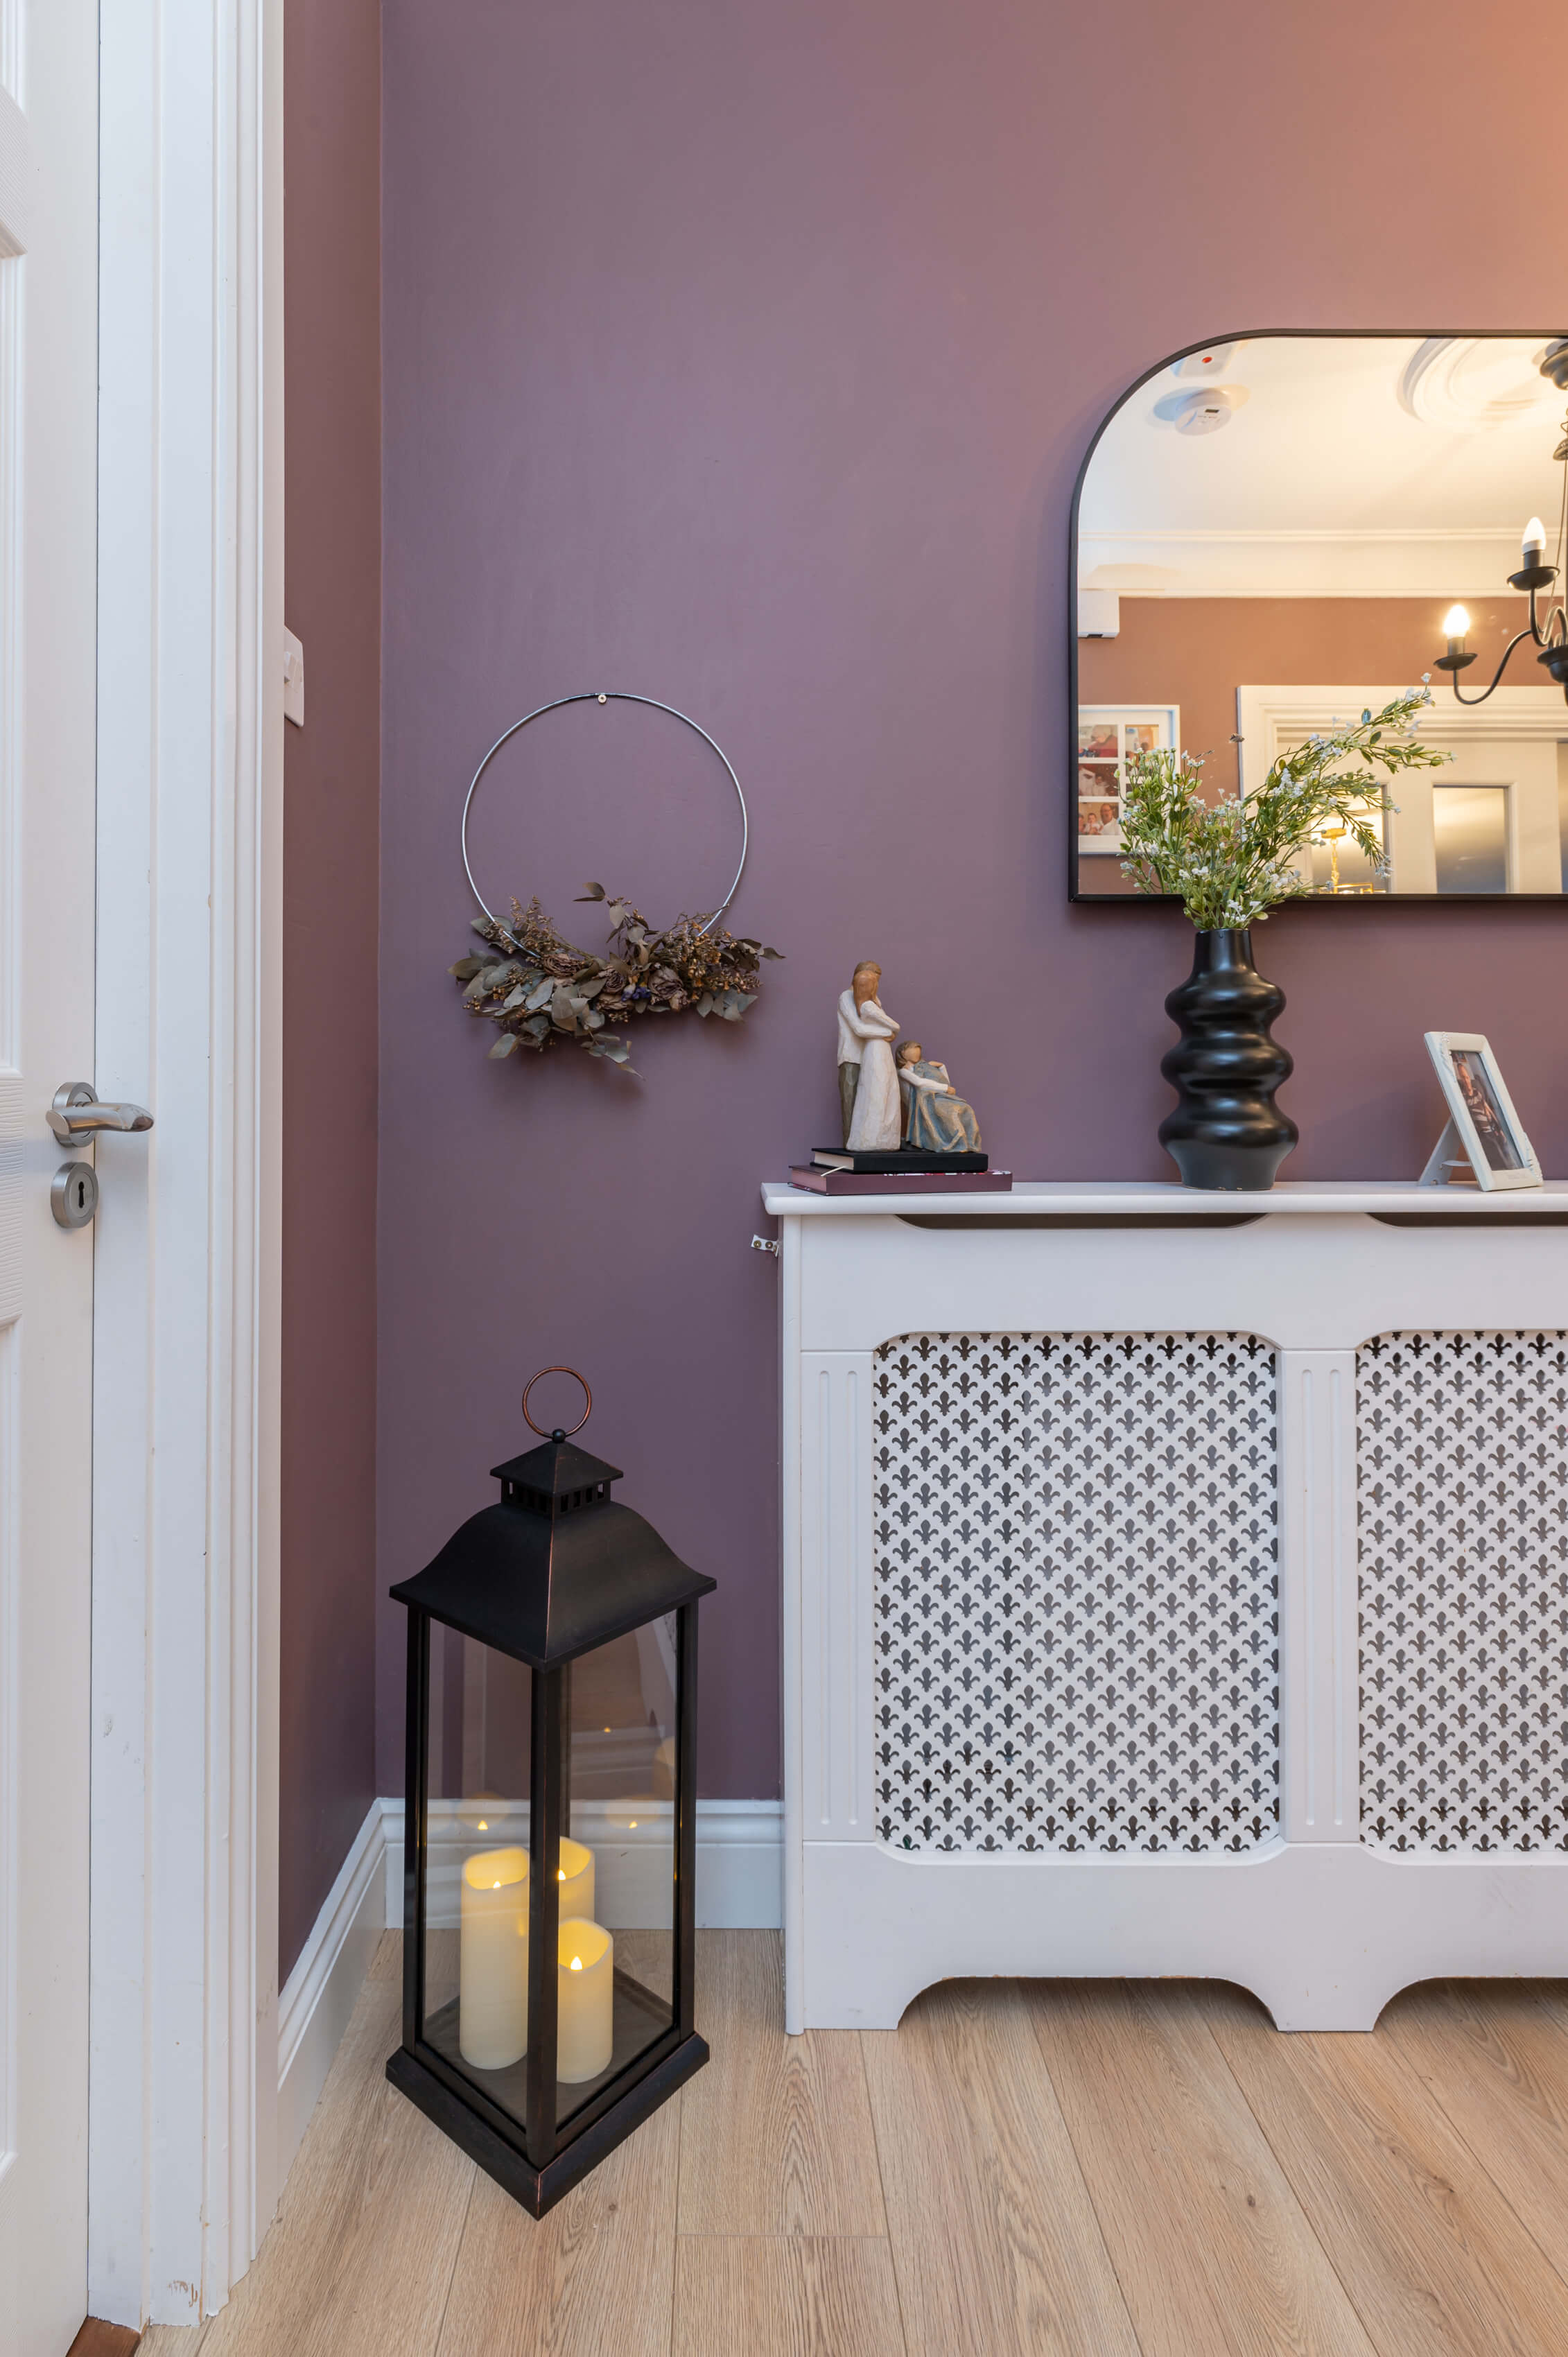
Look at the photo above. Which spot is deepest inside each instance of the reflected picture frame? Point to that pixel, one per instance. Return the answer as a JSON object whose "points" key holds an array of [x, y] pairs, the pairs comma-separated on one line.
{"points": [[1482, 1124]]}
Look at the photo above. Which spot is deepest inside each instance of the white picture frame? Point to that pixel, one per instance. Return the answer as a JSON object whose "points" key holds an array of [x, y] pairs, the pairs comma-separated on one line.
{"points": [[1482, 1124], [1108, 735]]}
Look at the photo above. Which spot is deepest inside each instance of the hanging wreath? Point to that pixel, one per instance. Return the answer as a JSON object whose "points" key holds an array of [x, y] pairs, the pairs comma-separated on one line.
{"points": [[538, 988]]}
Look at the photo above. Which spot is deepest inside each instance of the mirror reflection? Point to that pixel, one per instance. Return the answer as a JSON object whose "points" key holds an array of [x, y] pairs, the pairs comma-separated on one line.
{"points": [[1277, 533]]}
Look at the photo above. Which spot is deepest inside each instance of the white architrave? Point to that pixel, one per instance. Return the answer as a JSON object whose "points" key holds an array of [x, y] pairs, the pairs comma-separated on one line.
{"points": [[184, 2003]]}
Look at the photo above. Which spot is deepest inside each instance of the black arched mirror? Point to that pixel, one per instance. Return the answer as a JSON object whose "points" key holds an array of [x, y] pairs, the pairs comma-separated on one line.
{"points": [[1272, 533]]}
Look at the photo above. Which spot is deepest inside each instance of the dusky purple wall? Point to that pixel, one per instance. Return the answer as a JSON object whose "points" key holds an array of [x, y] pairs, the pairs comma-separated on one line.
{"points": [[331, 826], [745, 356]]}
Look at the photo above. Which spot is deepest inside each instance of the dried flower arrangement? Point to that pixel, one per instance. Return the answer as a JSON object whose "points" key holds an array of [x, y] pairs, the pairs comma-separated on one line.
{"points": [[1230, 860], [538, 988]]}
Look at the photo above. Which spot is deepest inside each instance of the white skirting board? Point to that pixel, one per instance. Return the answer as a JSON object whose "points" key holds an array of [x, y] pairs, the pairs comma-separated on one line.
{"points": [[739, 1853], [318, 1996]]}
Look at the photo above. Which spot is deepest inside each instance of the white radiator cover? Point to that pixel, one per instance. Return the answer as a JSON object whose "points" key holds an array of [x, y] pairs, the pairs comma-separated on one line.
{"points": [[1076, 1592], [1174, 1584], [1462, 1493]]}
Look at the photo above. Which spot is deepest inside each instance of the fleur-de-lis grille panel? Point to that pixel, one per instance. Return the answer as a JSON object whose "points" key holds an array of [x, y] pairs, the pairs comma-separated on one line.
{"points": [[1077, 1625], [1462, 1501]]}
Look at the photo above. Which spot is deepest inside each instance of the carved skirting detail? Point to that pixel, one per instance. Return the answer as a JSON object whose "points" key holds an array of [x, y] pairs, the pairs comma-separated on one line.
{"points": [[1462, 1496], [1076, 1592]]}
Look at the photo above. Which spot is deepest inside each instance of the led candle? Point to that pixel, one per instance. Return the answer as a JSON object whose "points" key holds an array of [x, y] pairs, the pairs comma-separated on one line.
{"points": [[576, 1876], [1456, 629], [1534, 546], [492, 1969], [481, 1812], [584, 2031]]}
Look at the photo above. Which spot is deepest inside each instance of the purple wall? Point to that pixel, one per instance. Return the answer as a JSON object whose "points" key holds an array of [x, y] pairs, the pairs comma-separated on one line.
{"points": [[745, 356], [332, 601]]}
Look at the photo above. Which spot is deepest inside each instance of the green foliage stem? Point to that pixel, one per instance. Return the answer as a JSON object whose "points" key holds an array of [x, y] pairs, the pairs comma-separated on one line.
{"points": [[1230, 861]]}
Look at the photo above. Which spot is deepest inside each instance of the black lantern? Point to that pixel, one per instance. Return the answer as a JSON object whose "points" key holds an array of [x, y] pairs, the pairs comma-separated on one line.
{"points": [[550, 1842]]}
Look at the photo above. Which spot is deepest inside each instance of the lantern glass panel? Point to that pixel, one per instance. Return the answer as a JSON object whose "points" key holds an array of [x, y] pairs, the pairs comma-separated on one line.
{"points": [[616, 1987], [476, 1901]]}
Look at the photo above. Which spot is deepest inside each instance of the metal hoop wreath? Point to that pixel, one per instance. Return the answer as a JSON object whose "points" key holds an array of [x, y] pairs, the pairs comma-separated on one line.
{"points": [[607, 695]]}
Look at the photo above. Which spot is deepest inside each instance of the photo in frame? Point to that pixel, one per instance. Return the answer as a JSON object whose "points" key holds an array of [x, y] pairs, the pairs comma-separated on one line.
{"points": [[1483, 1131]]}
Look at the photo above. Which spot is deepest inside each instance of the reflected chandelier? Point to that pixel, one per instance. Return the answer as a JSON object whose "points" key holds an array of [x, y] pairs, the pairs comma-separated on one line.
{"points": [[1534, 575]]}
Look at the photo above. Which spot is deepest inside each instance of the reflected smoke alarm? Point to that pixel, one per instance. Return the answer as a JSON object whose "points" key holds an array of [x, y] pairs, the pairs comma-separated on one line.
{"points": [[1209, 364], [1204, 410]]}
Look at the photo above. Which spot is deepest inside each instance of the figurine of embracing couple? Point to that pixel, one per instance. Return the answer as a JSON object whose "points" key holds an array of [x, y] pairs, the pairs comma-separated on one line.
{"points": [[886, 1105]]}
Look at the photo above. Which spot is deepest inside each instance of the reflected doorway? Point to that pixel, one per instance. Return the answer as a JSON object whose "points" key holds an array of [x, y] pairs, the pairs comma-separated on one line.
{"points": [[1470, 837]]}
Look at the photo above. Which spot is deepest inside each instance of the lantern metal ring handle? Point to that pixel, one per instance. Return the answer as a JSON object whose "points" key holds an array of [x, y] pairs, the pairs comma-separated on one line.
{"points": [[607, 695], [557, 1433]]}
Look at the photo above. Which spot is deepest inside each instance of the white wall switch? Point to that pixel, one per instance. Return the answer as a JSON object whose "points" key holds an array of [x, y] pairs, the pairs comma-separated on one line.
{"points": [[293, 680]]}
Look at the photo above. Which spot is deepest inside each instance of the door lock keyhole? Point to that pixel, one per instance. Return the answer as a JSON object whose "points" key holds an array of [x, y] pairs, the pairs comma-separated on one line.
{"points": [[74, 1195]]}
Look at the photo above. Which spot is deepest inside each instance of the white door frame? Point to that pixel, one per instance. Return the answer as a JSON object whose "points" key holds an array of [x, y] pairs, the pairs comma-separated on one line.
{"points": [[185, 1793], [1269, 720]]}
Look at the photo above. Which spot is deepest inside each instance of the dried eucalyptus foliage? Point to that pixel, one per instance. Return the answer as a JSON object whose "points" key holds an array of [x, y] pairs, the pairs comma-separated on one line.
{"points": [[1231, 860], [537, 988]]}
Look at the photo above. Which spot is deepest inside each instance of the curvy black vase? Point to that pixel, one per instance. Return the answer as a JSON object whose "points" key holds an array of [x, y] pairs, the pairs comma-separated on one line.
{"points": [[1226, 1130]]}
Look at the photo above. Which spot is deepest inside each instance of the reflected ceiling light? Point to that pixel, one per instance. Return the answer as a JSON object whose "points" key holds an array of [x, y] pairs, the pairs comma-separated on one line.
{"points": [[1534, 574], [1463, 382]]}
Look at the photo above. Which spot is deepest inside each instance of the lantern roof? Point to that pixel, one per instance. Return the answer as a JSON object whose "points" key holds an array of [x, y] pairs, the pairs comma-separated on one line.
{"points": [[557, 1567], [556, 1470]]}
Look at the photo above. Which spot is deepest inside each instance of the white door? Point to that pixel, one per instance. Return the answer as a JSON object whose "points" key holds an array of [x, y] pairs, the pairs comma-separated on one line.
{"points": [[48, 302], [1487, 822]]}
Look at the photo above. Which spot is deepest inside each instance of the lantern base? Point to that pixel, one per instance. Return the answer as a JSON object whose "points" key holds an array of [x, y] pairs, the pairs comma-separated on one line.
{"points": [[539, 2190]]}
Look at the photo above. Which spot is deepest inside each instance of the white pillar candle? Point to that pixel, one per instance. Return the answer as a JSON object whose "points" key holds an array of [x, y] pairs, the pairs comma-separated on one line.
{"points": [[492, 1969], [585, 2034], [576, 1876]]}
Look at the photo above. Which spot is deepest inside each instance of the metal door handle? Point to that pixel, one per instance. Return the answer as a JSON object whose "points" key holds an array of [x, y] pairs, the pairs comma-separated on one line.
{"points": [[76, 1114]]}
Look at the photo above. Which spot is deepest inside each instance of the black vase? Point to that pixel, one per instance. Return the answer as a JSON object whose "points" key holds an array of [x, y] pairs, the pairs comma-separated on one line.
{"points": [[1226, 1130]]}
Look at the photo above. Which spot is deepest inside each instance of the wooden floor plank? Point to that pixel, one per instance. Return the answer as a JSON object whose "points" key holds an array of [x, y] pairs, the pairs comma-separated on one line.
{"points": [[785, 2296], [1434, 2258], [1495, 2055], [776, 2135], [996, 2242], [1213, 2251], [360, 2258], [1430, 2161], [594, 2277], [97, 2339], [386, 1965], [171, 2340]]}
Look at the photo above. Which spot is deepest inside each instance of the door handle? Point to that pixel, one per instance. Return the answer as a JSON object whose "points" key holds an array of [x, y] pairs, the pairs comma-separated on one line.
{"points": [[76, 1115]]}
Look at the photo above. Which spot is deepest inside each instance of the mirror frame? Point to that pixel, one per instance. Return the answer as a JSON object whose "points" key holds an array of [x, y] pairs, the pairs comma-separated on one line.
{"points": [[1167, 900]]}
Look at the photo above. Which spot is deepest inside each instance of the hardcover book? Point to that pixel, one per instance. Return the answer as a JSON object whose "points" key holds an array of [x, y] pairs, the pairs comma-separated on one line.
{"points": [[899, 1182], [903, 1158]]}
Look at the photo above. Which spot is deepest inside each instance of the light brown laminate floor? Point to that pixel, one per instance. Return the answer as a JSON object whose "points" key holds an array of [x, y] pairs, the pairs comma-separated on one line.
{"points": [[1021, 2169]]}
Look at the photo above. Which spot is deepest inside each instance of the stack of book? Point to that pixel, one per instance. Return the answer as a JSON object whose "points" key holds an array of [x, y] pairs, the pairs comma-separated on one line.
{"points": [[910, 1170]]}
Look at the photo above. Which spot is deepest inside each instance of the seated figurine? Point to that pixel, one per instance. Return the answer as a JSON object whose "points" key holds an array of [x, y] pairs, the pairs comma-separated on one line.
{"points": [[936, 1118]]}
